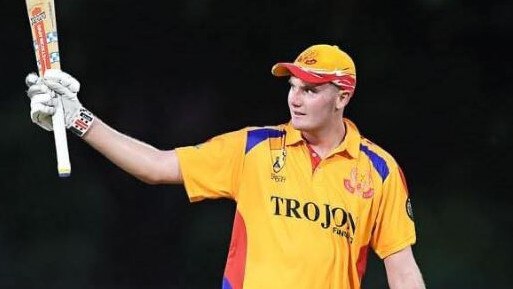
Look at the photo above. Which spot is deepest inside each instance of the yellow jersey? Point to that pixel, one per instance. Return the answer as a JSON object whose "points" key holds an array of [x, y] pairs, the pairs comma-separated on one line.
{"points": [[300, 223]]}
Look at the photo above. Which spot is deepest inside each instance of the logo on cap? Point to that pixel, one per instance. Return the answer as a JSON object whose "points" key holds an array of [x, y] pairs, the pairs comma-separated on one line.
{"points": [[308, 57]]}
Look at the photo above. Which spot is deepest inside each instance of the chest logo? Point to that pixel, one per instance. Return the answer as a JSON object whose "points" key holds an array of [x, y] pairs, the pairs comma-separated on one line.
{"points": [[359, 184], [278, 157]]}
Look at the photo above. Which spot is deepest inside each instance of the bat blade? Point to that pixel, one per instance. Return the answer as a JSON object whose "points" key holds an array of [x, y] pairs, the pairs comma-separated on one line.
{"points": [[43, 24]]}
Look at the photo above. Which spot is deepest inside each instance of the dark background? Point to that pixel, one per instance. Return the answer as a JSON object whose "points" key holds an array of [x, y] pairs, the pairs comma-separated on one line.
{"points": [[434, 89]]}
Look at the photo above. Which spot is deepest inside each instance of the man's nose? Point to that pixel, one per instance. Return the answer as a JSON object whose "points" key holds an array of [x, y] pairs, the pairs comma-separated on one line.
{"points": [[295, 97]]}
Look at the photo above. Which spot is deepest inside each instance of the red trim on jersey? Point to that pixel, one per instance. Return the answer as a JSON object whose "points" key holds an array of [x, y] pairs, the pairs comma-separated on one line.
{"points": [[404, 180], [236, 262], [361, 263], [314, 157]]}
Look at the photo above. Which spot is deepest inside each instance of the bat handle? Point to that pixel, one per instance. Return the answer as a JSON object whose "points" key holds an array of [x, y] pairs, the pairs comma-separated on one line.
{"points": [[61, 143]]}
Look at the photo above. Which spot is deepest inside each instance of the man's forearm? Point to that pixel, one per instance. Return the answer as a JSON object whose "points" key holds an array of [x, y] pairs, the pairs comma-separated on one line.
{"points": [[403, 271], [139, 159], [409, 280]]}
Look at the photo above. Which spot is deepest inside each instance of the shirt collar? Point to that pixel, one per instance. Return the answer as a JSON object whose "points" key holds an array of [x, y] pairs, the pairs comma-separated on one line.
{"points": [[351, 142]]}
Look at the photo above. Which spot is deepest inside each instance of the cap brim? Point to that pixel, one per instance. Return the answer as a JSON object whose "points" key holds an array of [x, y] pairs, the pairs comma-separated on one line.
{"points": [[285, 69]]}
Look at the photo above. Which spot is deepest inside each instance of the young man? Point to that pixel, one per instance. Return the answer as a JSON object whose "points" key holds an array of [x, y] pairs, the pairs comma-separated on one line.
{"points": [[312, 195]]}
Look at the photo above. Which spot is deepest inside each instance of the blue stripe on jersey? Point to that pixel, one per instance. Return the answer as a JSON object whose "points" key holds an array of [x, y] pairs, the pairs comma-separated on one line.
{"points": [[226, 284], [259, 135], [378, 162]]}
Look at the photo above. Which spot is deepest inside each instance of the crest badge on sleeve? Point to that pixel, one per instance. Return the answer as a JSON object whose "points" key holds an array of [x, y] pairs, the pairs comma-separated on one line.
{"points": [[409, 208]]}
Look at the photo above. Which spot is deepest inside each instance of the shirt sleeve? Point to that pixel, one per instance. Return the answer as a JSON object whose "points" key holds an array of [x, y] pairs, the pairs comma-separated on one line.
{"points": [[213, 169], [394, 228]]}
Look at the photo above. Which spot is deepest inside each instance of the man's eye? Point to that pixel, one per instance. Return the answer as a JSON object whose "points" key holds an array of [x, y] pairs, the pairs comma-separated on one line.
{"points": [[310, 90]]}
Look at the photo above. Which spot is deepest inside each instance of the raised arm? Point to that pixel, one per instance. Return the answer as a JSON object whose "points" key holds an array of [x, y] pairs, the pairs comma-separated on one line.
{"points": [[143, 161], [402, 271], [139, 159]]}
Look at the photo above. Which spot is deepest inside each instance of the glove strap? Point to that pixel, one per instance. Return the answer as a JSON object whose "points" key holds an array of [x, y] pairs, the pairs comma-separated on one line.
{"points": [[81, 122]]}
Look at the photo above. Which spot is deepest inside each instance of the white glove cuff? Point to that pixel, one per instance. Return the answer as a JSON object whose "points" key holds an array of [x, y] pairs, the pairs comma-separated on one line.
{"points": [[81, 122]]}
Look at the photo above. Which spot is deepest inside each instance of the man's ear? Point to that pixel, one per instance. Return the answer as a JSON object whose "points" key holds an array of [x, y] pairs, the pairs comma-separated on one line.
{"points": [[343, 99]]}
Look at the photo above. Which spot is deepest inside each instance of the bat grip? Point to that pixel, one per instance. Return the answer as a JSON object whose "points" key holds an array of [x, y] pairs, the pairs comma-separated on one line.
{"points": [[61, 143]]}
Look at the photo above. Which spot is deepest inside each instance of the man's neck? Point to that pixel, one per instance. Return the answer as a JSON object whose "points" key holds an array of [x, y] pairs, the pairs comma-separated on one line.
{"points": [[325, 141]]}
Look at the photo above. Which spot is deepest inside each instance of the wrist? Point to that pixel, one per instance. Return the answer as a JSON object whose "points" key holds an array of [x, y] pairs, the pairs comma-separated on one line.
{"points": [[81, 122]]}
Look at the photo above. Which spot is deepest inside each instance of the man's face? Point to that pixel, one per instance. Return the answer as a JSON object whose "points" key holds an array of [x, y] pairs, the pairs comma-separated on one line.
{"points": [[313, 107]]}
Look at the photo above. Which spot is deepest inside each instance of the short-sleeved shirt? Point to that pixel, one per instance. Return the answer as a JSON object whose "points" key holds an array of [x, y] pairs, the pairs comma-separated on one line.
{"points": [[301, 224]]}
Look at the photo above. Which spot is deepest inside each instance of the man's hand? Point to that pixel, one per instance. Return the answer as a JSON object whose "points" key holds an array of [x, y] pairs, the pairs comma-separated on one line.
{"points": [[46, 91], [42, 102], [66, 87]]}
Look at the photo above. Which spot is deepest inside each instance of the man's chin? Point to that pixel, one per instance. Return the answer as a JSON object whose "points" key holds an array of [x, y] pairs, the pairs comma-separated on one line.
{"points": [[299, 125]]}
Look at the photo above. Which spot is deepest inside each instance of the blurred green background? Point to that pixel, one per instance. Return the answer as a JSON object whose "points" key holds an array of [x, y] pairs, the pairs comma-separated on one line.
{"points": [[434, 89]]}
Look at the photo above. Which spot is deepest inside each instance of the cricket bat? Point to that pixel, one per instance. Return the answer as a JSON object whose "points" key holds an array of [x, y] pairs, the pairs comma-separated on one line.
{"points": [[43, 24]]}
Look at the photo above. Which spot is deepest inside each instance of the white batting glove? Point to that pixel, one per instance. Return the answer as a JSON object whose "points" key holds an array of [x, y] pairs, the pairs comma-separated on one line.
{"points": [[42, 102], [76, 117]]}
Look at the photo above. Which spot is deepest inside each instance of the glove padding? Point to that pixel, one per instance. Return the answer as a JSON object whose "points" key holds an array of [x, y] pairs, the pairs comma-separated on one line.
{"points": [[42, 102], [66, 87], [44, 94]]}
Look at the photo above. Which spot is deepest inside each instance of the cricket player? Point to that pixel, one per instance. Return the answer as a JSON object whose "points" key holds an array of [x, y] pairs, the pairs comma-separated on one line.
{"points": [[313, 195]]}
